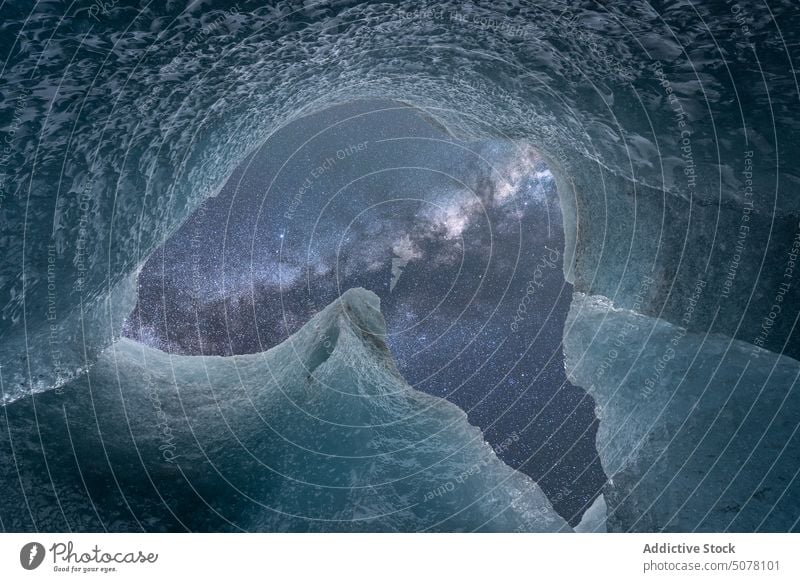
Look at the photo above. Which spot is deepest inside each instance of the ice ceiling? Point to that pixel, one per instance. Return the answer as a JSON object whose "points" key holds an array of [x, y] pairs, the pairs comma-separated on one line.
{"points": [[668, 125]]}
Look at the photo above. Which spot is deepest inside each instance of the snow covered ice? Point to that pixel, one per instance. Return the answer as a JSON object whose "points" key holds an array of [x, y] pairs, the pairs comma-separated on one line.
{"points": [[320, 433]]}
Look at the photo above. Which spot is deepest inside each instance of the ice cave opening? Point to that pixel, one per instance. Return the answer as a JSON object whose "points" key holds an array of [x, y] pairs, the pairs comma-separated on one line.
{"points": [[462, 241], [669, 132]]}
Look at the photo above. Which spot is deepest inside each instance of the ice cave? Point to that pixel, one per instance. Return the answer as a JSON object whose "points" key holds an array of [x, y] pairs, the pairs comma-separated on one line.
{"points": [[668, 127]]}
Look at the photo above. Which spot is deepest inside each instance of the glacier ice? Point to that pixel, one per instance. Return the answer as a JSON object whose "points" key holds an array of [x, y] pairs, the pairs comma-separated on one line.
{"points": [[594, 518], [320, 433], [697, 431], [670, 129]]}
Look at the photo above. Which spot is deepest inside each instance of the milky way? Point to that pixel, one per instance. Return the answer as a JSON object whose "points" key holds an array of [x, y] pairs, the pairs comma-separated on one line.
{"points": [[461, 240]]}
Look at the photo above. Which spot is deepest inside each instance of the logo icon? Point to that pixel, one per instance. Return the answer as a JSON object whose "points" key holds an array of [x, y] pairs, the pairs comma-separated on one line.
{"points": [[31, 555]]}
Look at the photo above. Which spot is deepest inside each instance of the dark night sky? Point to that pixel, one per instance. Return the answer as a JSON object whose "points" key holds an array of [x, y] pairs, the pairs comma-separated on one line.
{"points": [[449, 234]]}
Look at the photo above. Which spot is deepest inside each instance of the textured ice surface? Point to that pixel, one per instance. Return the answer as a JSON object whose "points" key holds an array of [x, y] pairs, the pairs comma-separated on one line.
{"points": [[594, 518], [118, 122], [318, 434], [697, 431]]}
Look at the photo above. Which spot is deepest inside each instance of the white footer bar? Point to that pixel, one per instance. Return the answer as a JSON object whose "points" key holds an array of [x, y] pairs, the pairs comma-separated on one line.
{"points": [[401, 557]]}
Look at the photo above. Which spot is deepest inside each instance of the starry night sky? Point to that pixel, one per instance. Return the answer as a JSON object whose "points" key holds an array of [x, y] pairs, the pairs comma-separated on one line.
{"points": [[462, 242]]}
